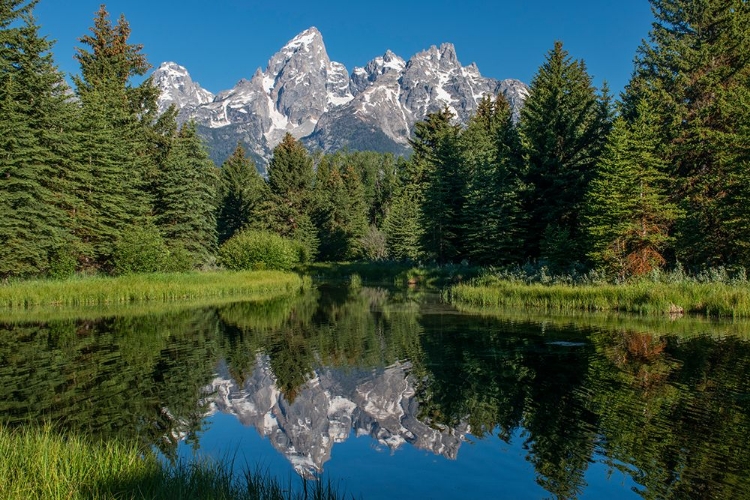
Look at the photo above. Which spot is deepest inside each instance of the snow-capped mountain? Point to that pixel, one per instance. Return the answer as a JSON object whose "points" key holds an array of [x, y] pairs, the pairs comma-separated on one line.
{"points": [[179, 89], [303, 92]]}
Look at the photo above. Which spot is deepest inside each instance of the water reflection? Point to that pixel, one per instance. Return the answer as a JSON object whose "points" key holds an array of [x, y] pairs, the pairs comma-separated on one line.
{"points": [[666, 403], [330, 407]]}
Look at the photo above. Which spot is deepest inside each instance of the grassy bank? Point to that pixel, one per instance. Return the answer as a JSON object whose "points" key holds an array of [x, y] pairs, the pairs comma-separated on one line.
{"points": [[100, 290], [38, 463], [643, 297]]}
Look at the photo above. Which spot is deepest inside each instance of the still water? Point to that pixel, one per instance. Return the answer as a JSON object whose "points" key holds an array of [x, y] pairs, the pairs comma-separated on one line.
{"points": [[391, 394]]}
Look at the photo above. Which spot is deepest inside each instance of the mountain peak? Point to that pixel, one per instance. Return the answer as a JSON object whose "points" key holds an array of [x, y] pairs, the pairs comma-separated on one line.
{"points": [[303, 92], [448, 51], [178, 88], [304, 40]]}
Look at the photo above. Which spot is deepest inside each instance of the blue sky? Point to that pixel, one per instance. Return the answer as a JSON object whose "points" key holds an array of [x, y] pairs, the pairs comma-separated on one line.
{"points": [[222, 41]]}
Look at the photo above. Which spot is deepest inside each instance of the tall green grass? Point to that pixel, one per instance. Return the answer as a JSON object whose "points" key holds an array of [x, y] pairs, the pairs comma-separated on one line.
{"points": [[642, 297], [100, 290], [40, 464]]}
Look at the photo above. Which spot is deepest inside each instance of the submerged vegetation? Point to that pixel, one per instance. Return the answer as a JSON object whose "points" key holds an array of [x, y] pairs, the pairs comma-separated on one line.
{"points": [[99, 290], [38, 463]]}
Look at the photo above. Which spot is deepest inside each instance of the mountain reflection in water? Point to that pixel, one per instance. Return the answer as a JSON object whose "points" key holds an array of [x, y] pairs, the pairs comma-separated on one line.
{"points": [[573, 406], [379, 403]]}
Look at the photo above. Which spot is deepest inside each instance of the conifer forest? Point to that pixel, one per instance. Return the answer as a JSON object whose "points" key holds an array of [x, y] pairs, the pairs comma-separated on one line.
{"points": [[94, 180]]}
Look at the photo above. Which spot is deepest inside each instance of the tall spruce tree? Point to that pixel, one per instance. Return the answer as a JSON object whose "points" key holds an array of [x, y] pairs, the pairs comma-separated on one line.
{"points": [[33, 139], [628, 215], [288, 211], [563, 127], [187, 197], [437, 153], [493, 215], [401, 225], [111, 152], [695, 68], [330, 203], [242, 190], [341, 212]]}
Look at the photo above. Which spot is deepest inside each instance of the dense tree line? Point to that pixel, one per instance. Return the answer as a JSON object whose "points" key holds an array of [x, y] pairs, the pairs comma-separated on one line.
{"points": [[93, 178], [579, 181]]}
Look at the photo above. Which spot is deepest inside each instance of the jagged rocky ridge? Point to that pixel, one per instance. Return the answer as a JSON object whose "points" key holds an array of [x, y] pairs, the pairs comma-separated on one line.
{"points": [[303, 92], [331, 406]]}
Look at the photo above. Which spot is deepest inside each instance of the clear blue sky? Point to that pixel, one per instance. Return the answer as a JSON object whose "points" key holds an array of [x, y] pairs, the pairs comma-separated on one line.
{"points": [[222, 41]]}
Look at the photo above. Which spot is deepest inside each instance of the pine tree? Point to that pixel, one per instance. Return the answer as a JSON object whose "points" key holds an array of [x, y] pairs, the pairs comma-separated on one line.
{"points": [[695, 68], [187, 197], [493, 214], [563, 127], [242, 190], [35, 115], [628, 215]]}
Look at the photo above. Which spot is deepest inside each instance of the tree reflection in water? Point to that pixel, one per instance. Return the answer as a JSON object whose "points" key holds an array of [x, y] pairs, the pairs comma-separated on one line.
{"points": [[665, 402]]}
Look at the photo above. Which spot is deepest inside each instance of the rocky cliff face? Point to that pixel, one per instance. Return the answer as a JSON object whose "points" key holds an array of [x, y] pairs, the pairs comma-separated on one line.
{"points": [[328, 409], [303, 92]]}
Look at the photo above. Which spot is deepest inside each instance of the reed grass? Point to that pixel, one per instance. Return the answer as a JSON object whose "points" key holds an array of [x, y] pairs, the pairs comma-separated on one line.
{"points": [[39, 463], [642, 297], [163, 287]]}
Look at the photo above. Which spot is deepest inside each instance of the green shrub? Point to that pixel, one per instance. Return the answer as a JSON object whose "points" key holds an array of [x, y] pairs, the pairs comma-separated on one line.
{"points": [[178, 260], [139, 250], [62, 263], [256, 250]]}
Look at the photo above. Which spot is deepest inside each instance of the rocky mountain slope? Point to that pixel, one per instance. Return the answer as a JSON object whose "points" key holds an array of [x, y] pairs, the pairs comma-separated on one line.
{"points": [[303, 92]]}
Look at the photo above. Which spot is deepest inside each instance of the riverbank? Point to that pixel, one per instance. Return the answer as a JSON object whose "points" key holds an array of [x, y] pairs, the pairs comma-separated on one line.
{"points": [[723, 300], [164, 287], [38, 463]]}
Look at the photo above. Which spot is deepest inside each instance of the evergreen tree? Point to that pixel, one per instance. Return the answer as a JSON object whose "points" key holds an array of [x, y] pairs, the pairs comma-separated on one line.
{"points": [[112, 151], [330, 203], [377, 172], [493, 215], [437, 155], [401, 225], [341, 212], [563, 126], [187, 197], [33, 138], [695, 68], [288, 211], [628, 215], [107, 182], [242, 190]]}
